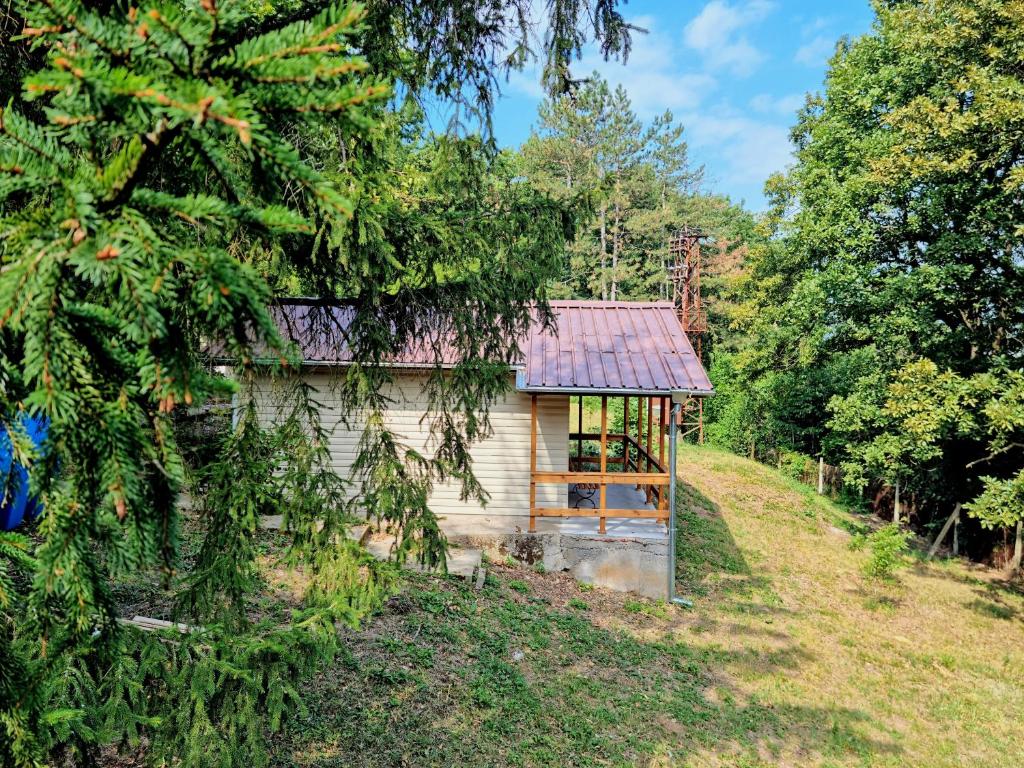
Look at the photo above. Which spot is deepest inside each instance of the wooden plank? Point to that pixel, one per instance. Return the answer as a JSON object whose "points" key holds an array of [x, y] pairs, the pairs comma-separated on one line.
{"points": [[640, 451], [649, 456], [945, 529], [596, 436], [604, 460], [662, 433], [611, 478], [533, 462], [150, 624], [663, 504], [652, 514], [662, 422]]}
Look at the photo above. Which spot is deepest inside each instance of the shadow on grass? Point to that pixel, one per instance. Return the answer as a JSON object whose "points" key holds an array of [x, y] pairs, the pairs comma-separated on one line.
{"points": [[993, 601], [994, 609], [998, 598], [708, 560], [449, 676]]}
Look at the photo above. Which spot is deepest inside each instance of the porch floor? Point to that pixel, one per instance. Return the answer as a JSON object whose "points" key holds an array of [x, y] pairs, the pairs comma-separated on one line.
{"points": [[618, 497]]}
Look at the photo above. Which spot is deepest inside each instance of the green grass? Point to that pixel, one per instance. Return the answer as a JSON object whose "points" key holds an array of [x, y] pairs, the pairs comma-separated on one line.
{"points": [[789, 656]]}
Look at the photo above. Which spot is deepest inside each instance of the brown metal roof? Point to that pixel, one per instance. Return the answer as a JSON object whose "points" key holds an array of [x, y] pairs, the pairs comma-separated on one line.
{"points": [[611, 347], [324, 335]]}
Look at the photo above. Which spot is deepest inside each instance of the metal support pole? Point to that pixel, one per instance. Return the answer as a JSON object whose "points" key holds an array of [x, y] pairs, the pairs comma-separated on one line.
{"points": [[672, 440]]}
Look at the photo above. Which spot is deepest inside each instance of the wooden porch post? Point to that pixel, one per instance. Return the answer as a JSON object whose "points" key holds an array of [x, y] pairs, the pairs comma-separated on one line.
{"points": [[579, 431], [604, 463], [650, 424], [662, 421], [625, 434], [639, 433], [533, 463]]}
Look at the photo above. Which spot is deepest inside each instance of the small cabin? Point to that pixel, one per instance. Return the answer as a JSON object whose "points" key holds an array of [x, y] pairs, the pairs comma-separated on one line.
{"points": [[561, 477]]}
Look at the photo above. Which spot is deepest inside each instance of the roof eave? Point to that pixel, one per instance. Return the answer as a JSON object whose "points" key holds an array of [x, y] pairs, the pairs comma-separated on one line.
{"points": [[265, 362], [616, 391]]}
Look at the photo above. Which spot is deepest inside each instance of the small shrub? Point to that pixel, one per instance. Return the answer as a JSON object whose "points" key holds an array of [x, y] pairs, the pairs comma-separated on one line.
{"points": [[584, 587], [578, 604], [519, 586], [888, 546], [796, 465]]}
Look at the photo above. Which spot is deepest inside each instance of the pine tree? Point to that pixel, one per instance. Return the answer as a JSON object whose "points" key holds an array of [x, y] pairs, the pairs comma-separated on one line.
{"points": [[122, 208], [637, 178], [165, 171]]}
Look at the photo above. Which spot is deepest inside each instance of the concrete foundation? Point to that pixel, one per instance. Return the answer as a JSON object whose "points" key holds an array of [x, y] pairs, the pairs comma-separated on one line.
{"points": [[626, 563], [632, 556]]}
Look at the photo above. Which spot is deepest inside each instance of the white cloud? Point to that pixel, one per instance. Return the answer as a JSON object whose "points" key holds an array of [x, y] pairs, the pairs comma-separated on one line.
{"points": [[526, 82], [717, 34], [740, 144], [652, 78], [817, 24], [761, 150], [747, 151], [777, 105], [815, 52]]}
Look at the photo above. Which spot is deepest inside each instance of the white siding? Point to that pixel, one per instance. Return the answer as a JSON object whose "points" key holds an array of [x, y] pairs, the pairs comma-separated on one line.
{"points": [[501, 462]]}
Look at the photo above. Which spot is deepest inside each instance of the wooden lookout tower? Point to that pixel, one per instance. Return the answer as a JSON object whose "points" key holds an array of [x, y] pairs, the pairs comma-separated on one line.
{"points": [[684, 271]]}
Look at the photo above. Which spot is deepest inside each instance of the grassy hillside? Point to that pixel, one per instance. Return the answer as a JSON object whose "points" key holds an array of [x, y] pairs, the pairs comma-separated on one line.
{"points": [[789, 656]]}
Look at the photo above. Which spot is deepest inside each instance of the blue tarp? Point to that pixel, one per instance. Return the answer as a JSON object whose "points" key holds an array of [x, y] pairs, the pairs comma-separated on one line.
{"points": [[17, 505]]}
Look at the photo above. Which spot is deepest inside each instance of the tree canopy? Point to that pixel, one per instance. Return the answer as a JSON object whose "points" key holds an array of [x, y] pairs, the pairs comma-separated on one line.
{"points": [[637, 179], [888, 292]]}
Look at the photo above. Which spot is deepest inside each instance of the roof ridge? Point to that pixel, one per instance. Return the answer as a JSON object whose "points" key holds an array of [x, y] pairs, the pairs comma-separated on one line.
{"points": [[610, 303]]}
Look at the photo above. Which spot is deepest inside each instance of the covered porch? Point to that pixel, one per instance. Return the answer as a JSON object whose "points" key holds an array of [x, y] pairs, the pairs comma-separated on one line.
{"points": [[617, 481], [601, 488]]}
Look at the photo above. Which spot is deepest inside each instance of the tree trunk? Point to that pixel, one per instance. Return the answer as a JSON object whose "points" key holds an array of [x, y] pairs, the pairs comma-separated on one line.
{"points": [[604, 250], [615, 254], [821, 475], [896, 504]]}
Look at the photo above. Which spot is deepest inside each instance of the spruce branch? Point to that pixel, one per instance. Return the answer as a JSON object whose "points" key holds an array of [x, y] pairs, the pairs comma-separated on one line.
{"points": [[150, 145]]}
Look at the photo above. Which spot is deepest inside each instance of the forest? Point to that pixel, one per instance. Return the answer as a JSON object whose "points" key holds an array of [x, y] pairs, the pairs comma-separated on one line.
{"points": [[169, 168]]}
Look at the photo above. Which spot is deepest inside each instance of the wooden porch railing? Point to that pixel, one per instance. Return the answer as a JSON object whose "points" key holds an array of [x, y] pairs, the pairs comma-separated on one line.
{"points": [[637, 465]]}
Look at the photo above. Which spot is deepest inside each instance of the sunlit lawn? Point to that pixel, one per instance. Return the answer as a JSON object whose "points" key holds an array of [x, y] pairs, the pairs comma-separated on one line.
{"points": [[789, 656]]}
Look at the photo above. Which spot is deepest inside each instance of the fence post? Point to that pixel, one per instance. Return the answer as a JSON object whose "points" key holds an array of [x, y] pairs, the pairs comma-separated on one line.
{"points": [[821, 475], [1018, 547], [896, 504], [953, 519]]}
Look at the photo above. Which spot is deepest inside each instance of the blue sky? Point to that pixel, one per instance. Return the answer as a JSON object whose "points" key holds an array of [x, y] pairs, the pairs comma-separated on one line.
{"points": [[734, 72]]}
